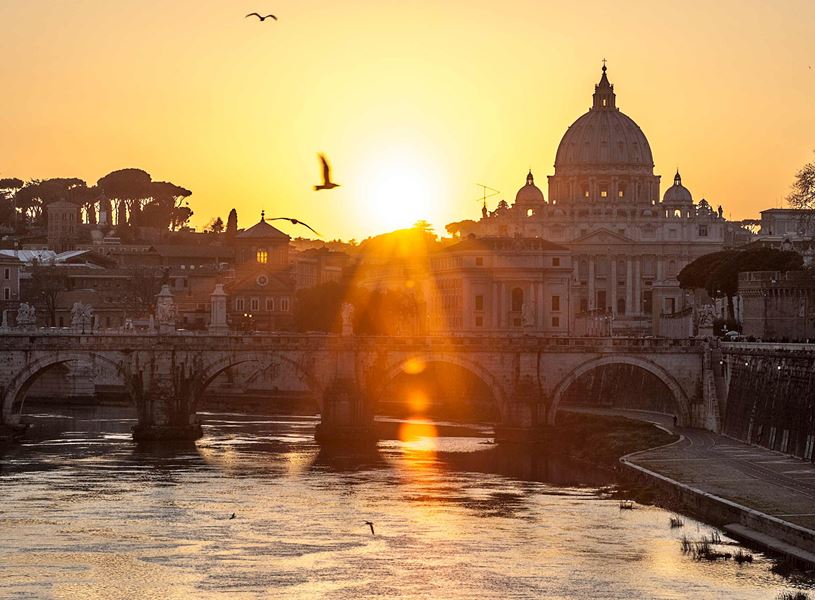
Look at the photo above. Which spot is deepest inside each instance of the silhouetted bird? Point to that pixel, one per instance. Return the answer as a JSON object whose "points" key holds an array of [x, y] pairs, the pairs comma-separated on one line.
{"points": [[327, 183], [292, 221], [371, 525], [232, 516], [260, 17]]}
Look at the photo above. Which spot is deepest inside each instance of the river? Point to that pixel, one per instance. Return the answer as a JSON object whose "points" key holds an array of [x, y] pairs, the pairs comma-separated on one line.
{"points": [[85, 513]]}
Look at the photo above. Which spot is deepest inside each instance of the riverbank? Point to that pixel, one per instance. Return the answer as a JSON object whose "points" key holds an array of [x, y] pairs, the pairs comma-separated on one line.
{"points": [[602, 440], [755, 494]]}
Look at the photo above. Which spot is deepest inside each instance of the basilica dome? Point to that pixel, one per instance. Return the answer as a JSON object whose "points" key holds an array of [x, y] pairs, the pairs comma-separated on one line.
{"points": [[604, 137], [677, 193], [529, 193]]}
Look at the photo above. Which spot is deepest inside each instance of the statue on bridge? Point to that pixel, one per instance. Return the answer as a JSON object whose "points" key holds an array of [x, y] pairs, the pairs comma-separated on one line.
{"points": [[347, 313], [166, 310], [26, 315]]}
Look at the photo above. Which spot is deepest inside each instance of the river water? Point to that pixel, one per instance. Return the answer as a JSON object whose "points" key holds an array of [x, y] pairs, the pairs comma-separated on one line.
{"points": [[85, 513]]}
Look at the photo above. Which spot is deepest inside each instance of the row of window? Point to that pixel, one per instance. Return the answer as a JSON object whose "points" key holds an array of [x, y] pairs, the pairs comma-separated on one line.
{"points": [[479, 261], [254, 304], [517, 301], [479, 321]]}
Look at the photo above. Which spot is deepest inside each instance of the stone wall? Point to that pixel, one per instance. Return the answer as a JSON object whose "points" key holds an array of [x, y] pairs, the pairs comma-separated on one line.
{"points": [[771, 397]]}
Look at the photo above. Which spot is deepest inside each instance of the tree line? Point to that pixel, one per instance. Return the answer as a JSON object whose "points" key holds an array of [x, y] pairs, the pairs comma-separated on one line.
{"points": [[126, 197]]}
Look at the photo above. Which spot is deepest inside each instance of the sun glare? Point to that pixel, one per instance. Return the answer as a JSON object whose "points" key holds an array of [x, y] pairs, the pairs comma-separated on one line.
{"points": [[401, 188]]}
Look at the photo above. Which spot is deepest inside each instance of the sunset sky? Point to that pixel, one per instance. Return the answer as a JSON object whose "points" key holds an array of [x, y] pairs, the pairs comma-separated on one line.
{"points": [[414, 102]]}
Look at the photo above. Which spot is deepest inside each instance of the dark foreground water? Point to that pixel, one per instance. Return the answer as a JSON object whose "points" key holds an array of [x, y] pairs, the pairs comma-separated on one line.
{"points": [[85, 513]]}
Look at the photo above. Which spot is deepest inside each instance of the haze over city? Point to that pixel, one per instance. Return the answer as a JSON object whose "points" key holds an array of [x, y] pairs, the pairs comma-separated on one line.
{"points": [[414, 102]]}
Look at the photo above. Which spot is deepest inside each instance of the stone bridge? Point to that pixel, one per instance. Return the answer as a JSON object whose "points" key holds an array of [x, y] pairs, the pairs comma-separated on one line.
{"points": [[166, 376]]}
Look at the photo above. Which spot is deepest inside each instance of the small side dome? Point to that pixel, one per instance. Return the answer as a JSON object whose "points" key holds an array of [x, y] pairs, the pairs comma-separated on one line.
{"points": [[529, 194], [677, 193]]}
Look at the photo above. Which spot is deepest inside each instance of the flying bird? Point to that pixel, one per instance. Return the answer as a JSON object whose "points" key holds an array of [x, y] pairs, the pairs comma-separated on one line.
{"points": [[262, 18], [371, 525], [327, 183], [293, 222], [232, 516]]}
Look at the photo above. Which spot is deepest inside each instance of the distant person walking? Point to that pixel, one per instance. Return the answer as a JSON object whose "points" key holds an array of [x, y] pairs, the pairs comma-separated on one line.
{"points": [[675, 420]]}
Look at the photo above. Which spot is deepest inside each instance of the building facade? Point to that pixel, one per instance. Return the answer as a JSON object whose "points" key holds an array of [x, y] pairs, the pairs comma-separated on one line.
{"points": [[627, 244]]}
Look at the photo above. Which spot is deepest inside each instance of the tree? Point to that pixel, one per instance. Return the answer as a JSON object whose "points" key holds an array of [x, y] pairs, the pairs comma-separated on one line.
{"points": [[803, 188], [46, 283], [168, 207], [35, 195], [130, 188], [803, 196], [460, 227], [718, 272], [142, 287], [8, 213], [232, 224], [216, 225]]}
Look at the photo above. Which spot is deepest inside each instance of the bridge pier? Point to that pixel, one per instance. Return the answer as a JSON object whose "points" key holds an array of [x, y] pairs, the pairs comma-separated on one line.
{"points": [[524, 417], [346, 415], [166, 406]]}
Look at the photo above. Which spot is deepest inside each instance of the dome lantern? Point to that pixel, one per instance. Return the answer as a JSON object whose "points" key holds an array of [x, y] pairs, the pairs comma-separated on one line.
{"points": [[604, 96], [677, 193]]}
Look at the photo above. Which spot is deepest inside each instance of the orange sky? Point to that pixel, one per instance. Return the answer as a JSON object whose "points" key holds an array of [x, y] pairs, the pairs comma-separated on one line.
{"points": [[414, 102]]}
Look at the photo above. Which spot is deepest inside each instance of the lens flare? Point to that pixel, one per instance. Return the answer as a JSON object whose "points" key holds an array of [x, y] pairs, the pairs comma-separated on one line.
{"points": [[418, 436], [414, 365], [418, 402]]}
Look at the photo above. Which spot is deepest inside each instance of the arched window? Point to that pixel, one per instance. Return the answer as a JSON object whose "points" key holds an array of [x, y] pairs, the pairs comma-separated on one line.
{"points": [[620, 306], [262, 256], [517, 299]]}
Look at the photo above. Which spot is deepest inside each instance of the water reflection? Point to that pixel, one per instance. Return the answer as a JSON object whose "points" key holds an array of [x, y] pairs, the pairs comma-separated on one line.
{"points": [[87, 513]]}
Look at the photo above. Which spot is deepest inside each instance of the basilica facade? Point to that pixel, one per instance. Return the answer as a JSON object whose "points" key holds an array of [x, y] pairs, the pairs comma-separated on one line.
{"points": [[626, 243]]}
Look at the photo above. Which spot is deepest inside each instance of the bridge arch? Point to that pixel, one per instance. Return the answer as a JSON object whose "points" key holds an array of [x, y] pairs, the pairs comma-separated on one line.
{"points": [[681, 400], [16, 390], [217, 367], [396, 367]]}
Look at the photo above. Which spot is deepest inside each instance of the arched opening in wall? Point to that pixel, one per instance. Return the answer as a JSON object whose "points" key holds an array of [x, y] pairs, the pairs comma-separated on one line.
{"points": [[81, 395], [266, 385], [517, 299], [620, 386], [440, 391]]}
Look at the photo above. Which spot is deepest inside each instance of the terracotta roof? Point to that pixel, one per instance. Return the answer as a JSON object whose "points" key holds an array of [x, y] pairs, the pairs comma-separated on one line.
{"points": [[194, 251], [262, 230]]}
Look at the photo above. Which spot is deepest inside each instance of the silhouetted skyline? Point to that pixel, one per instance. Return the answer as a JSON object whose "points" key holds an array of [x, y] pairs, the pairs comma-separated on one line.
{"points": [[413, 106]]}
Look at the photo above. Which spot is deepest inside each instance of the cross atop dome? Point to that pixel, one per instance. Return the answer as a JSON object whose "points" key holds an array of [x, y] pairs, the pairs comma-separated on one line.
{"points": [[604, 97]]}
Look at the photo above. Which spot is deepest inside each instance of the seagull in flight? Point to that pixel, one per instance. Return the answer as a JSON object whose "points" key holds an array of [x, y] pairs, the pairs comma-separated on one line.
{"points": [[262, 18], [293, 222], [327, 183], [371, 525], [232, 516]]}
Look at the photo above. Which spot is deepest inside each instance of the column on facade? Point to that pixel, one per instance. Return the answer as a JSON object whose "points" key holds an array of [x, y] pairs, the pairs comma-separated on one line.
{"points": [[660, 268], [501, 306], [612, 287], [466, 305], [494, 306], [539, 316], [638, 285], [591, 283], [629, 286]]}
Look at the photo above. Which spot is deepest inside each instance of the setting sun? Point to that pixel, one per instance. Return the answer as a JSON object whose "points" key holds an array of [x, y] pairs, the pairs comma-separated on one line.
{"points": [[401, 186]]}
